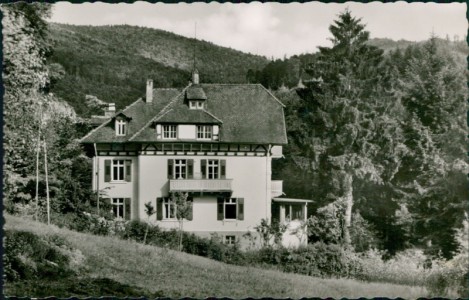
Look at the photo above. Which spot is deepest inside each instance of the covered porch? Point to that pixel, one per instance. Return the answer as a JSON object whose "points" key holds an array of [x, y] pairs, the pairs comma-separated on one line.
{"points": [[293, 213]]}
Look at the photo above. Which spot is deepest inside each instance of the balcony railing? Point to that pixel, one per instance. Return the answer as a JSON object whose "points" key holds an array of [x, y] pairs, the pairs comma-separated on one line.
{"points": [[276, 188], [200, 185]]}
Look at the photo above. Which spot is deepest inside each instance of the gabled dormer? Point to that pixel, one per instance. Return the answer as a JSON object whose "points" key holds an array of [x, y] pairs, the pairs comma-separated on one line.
{"points": [[195, 95], [121, 124]]}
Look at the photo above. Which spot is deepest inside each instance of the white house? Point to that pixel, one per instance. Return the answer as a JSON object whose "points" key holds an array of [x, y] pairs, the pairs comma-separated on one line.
{"points": [[214, 141]]}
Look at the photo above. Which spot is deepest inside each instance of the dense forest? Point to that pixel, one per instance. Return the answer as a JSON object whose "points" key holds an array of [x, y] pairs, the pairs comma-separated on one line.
{"points": [[376, 135]]}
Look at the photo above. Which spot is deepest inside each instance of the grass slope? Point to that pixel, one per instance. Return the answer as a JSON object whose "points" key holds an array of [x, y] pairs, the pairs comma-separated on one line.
{"points": [[150, 271]]}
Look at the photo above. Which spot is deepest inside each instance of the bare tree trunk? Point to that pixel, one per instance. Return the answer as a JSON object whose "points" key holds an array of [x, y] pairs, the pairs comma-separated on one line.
{"points": [[348, 197], [37, 176], [47, 183], [146, 232], [180, 234]]}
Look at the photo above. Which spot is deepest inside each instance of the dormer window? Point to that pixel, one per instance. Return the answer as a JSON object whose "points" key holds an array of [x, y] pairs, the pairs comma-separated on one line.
{"points": [[204, 132], [169, 131], [120, 127], [193, 104]]}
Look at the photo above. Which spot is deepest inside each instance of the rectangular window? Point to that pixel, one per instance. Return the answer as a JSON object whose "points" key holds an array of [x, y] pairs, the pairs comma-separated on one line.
{"points": [[118, 170], [212, 169], [192, 104], [180, 169], [230, 209], [118, 207], [169, 209], [169, 131], [230, 239], [120, 127], [204, 132]]}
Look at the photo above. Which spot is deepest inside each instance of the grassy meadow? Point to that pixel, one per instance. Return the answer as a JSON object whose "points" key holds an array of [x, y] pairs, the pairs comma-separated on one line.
{"points": [[111, 266]]}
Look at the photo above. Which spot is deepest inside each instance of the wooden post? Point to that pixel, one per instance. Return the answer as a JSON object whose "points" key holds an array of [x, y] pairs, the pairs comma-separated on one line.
{"points": [[38, 150], [47, 183], [37, 176], [96, 175]]}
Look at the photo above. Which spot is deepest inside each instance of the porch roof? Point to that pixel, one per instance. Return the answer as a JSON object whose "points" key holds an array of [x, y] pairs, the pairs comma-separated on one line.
{"points": [[292, 200]]}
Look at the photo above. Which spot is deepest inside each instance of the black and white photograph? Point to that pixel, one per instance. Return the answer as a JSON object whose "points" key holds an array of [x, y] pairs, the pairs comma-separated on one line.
{"points": [[239, 150]]}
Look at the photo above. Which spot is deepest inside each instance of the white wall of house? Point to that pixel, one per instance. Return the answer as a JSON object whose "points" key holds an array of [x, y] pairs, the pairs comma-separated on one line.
{"points": [[249, 181], [186, 132], [121, 189]]}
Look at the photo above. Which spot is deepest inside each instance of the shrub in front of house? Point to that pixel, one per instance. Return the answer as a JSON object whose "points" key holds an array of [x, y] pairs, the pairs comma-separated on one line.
{"points": [[319, 259]]}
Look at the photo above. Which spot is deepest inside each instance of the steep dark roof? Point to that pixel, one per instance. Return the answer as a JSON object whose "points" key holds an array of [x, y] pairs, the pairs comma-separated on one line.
{"points": [[246, 113], [140, 112], [195, 92], [181, 113]]}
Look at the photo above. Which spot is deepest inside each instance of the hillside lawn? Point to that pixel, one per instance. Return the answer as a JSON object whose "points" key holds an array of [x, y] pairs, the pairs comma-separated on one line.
{"points": [[118, 267]]}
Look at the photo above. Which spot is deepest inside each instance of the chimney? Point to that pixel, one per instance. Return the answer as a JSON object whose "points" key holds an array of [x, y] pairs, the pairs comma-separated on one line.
{"points": [[195, 77], [110, 110], [149, 97]]}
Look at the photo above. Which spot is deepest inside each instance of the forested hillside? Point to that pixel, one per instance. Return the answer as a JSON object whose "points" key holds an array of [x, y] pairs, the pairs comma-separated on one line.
{"points": [[287, 72], [113, 62]]}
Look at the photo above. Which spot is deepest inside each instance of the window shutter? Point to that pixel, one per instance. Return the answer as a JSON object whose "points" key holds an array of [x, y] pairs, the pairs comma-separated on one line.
{"points": [[128, 170], [220, 208], [170, 168], [107, 170], [223, 168], [191, 211], [203, 168], [158, 131], [127, 211], [190, 168], [240, 202], [159, 209]]}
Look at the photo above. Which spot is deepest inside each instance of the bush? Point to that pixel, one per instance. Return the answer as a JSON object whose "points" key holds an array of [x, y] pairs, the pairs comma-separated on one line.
{"points": [[450, 277], [28, 256], [135, 230]]}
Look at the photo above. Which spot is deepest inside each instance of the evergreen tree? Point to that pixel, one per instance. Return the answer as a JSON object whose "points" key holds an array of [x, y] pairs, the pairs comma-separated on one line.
{"points": [[346, 104]]}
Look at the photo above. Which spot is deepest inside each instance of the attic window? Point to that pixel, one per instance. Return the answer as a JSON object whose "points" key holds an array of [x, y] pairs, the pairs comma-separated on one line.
{"points": [[196, 104], [120, 127]]}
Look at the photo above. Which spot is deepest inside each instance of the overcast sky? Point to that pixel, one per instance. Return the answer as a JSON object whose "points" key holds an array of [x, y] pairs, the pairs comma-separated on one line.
{"points": [[272, 29]]}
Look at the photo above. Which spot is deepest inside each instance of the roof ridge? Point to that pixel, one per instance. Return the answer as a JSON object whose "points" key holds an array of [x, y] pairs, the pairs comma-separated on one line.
{"points": [[212, 115], [107, 122], [270, 93], [162, 111], [161, 114]]}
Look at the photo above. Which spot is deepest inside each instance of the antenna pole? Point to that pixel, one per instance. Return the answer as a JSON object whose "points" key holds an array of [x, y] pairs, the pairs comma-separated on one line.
{"points": [[195, 39]]}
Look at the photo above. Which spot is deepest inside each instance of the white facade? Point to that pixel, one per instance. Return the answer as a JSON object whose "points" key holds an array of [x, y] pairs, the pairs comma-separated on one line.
{"points": [[247, 175], [214, 142]]}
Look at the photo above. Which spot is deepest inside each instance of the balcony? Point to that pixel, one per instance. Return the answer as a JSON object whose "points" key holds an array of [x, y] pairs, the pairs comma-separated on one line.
{"points": [[276, 188], [200, 185]]}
